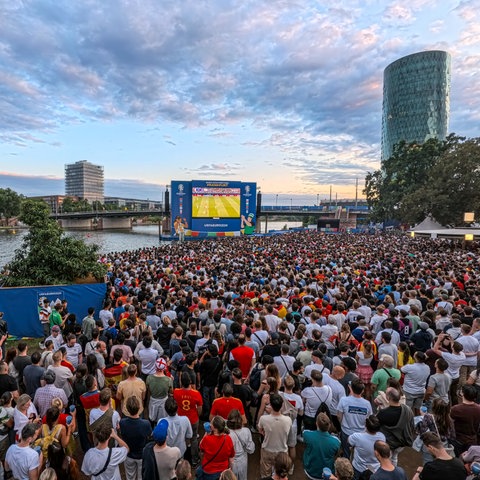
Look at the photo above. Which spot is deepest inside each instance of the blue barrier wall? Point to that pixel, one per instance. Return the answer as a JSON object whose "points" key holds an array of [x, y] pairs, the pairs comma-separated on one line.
{"points": [[20, 305]]}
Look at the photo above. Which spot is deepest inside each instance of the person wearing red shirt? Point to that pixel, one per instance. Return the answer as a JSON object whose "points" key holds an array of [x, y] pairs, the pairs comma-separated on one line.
{"points": [[218, 450], [224, 405], [190, 404], [244, 355]]}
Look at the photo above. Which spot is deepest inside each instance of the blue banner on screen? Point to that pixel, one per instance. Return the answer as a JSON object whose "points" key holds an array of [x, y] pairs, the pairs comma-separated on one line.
{"points": [[211, 206], [22, 306]]}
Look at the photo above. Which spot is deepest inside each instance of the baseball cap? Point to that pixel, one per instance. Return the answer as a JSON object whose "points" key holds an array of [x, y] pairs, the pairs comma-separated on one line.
{"points": [[55, 328], [160, 431]]}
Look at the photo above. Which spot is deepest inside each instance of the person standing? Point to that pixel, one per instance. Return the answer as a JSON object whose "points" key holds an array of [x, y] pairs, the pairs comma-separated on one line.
{"points": [[416, 376], [131, 386], [321, 448], [134, 431], [443, 465], [159, 386], [160, 460], [242, 443], [88, 324], [455, 361], [363, 443], [387, 470], [217, 448], [275, 429], [189, 402], [20, 362], [466, 418], [179, 428], [20, 459], [352, 413], [396, 423], [313, 397], [438, 383], [103, 462], [384, 371]]}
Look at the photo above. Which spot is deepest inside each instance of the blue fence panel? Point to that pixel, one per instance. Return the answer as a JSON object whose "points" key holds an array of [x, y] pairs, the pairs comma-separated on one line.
{"points": [[20, 305]]}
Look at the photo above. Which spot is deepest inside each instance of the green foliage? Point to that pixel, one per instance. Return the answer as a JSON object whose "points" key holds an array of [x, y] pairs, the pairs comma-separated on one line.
{"points": [[70, 205], [10, 203], [48, 256], [435, 178]]}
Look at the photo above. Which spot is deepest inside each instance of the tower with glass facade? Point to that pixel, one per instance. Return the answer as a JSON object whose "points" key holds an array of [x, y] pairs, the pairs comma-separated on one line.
{"points": [[416, 99], [84, 180]]}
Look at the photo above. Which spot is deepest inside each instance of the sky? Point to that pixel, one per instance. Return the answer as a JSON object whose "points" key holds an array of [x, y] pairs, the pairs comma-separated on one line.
{"points": [[285, 93]]}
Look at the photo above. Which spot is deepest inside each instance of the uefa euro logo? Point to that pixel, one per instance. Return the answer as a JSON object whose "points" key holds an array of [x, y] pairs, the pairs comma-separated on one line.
{"points": [[247, 188], [180, 187]]}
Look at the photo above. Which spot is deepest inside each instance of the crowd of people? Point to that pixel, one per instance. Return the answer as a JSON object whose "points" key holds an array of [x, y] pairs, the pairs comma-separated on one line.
{"points": [[345, 349]]}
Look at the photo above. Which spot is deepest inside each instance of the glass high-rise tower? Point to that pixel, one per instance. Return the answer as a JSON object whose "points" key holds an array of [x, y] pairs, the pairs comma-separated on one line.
{"points": [[416, 99], [84, 180]]}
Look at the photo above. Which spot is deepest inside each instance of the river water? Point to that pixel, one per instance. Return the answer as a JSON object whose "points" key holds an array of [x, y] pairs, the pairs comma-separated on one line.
{"points": [[108, 241]]}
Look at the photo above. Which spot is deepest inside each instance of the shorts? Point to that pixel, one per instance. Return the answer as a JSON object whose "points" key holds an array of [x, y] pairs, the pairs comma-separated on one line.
{"points": [[414, 401]]}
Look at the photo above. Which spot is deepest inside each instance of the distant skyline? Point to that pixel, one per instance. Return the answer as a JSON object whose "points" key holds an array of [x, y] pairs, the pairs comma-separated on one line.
{"points": [[287, 94]]}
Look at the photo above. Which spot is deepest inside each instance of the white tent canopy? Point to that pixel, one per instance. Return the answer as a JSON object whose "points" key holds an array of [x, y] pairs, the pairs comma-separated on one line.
{"points": [[428, 224]]}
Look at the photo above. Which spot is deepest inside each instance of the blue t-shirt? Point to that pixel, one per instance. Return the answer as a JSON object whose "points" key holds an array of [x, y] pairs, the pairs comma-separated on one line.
{"points": [[397, 474], [321, 449]]}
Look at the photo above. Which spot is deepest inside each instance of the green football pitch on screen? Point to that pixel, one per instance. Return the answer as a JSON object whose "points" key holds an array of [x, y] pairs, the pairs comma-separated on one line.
{"points": [[215, 206]]}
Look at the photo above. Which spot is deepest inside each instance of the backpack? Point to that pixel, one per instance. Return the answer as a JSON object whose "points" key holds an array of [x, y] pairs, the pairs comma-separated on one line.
{"points": [[323, 407], [204, 347], [255, 377], [288, 409], [48, 437]]}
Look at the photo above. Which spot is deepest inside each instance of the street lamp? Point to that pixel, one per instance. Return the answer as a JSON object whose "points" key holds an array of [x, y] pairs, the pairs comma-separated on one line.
{"points": [[291, 204], [276, 200]]}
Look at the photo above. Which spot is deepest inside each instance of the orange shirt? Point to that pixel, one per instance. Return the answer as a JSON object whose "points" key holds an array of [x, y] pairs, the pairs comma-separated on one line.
{"points": [[188, 400], [224, 405]]}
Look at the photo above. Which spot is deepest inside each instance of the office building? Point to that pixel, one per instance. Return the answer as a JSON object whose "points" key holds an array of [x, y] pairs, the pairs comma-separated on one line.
{"points": [[85, 181], [416, 99]]}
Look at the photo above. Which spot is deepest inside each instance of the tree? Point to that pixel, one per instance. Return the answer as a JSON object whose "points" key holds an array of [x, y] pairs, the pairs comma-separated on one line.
{"points": [[48, 256], [407, 187], [10, 203], [453, 184]]}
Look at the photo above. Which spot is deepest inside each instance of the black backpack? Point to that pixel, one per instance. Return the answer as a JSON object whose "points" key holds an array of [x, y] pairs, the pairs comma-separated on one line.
{"points": [[255, 377], [204, 347], [323, 407]]}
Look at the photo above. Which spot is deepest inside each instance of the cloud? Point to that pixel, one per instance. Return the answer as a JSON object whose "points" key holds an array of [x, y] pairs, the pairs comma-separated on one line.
{"points": [[305, 77], [41, 185]]}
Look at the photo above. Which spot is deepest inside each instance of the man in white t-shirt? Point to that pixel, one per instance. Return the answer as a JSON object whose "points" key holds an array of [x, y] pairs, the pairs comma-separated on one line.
{"points": [[455, 361], [23, 461], [276, 430], [363, 442], [313, 397], [338, 392], [96, 462], [471, 346], [352, 412], [416, 376], [317, 364]]}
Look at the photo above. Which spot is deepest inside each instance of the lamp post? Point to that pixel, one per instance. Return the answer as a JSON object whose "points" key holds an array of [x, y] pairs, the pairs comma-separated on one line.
{"points": [[318, 199], [276, 200], [291, 204]]}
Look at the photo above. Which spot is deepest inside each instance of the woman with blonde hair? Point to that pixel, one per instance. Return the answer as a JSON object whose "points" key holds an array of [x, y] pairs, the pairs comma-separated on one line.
{"points": [[242, 443], [24, 413], [343, 470]]}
